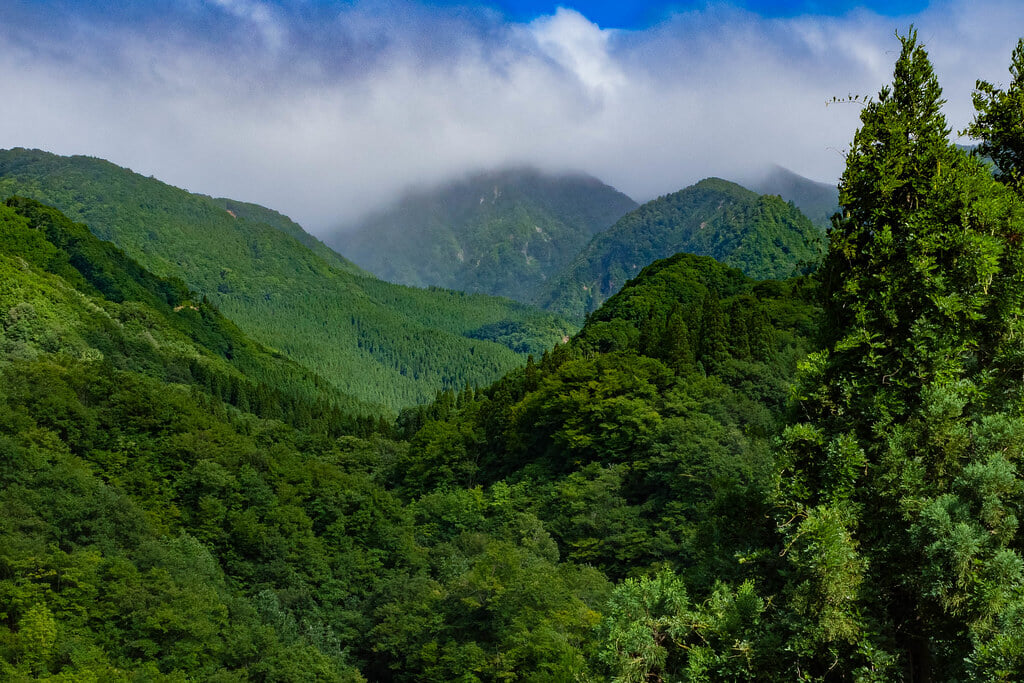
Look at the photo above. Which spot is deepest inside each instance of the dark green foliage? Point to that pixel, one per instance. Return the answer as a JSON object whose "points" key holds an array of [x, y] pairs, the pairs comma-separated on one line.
{"points": [[763, 236], [381, 343], [501, 233], [999, 123], [632, 440], [899, 494], [665, 497]]}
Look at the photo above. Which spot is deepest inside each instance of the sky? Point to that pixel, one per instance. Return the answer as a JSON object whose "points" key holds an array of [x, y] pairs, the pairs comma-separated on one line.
{"points": [[327, 110]]}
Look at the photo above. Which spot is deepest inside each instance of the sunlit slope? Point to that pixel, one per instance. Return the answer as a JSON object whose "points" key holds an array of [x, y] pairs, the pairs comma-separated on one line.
{"points": [[762, 235], [364, 336]]}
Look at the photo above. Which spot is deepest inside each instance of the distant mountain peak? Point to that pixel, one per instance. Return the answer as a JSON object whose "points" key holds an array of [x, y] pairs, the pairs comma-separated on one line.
{"points": [[763, 235], [817, 200], [501, 231]]}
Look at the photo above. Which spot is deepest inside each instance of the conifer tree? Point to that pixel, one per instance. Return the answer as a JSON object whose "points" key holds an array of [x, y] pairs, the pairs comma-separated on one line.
{"points": [[999, 123], [899, 494]]}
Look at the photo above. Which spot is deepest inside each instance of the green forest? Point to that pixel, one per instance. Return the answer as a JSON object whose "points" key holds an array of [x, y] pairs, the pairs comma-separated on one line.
{"points": [[384, 344], [762, 235], [798, 468]]}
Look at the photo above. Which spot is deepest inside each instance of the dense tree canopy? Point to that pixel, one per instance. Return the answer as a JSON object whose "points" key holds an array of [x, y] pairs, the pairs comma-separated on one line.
{"points": [[382, 343], [899, 491], [762, 235]]}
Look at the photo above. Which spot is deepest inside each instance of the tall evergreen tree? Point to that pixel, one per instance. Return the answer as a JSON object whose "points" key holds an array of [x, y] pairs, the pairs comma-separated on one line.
{"points": [[999, 123], [899, 495]]}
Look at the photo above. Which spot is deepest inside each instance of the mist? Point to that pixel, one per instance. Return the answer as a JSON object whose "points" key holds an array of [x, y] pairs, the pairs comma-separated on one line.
{"points": [[326, 114]]}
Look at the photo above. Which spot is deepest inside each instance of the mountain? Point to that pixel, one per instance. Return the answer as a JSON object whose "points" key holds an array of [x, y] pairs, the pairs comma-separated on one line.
{"points": [[380, 343], [762, 235], [502, 232], [817, 201], [68, 292], [129, 407], [261, 214], [640, 453], [155, 525]]}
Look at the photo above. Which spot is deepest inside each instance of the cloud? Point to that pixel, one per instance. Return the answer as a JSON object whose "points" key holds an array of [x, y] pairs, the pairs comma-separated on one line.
{"points": [[325, 112], [261, 16], [581, 48]]}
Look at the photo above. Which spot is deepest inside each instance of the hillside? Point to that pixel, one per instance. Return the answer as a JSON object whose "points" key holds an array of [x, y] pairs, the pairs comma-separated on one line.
{"points": [[381, 343], [718, 478], [503, 232], [67, 292], [762, 235], [261, 214], [817, 201], [128, 404], [251, 547]]}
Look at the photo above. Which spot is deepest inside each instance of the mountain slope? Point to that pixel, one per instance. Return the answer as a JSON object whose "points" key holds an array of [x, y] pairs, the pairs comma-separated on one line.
{"points": [[636, 443], [346, 327], [261, 214], [817, 201], [502, 232], [155, 465], [67, 292], [762, 235]]}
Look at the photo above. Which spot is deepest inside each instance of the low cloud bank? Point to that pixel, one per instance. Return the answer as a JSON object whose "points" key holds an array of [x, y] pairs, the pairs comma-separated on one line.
{"points": [[326, 114]]}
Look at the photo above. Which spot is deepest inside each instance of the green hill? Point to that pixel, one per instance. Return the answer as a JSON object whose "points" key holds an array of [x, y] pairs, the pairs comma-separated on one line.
{"points": [[261, 214], [503, 232], [154, 528], [129, 407], [66, 291], [817, 201], [762, 235], [380, 343], [719, 478], [643, 448]]}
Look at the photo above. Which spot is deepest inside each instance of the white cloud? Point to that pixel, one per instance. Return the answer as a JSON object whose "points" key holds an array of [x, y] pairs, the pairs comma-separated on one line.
{"points": [[581, 47], [331, 112]]}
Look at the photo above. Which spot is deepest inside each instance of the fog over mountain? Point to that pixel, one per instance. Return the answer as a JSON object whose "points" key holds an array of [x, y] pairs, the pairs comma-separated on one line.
{"points": [[326, 111]]}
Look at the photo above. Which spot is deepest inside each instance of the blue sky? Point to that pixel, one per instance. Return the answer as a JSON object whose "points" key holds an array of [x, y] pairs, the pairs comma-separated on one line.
{"points": [[640, 15], [326, 110]]}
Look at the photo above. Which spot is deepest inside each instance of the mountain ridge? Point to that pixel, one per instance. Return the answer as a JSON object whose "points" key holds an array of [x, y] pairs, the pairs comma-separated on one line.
{"points": [[763, 235], [501, 232], [342, 324]]}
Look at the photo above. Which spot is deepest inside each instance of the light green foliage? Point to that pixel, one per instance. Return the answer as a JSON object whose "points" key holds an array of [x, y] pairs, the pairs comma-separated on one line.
{"points": [[652, 631], [381, 343]]}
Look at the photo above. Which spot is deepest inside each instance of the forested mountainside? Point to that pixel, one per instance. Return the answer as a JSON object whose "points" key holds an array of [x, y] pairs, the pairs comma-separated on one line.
{"points": [[817, 201], [502, 232], [717, 479], [762, 235], [153, 527], [67, 292], [380, 343], [261, 214]]}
